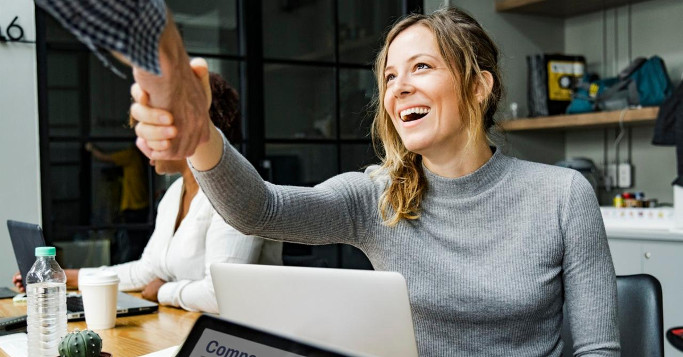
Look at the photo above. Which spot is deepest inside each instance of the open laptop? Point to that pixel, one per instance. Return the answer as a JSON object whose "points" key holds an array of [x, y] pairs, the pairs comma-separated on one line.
{"points": [[366, 312], [26, 237]]}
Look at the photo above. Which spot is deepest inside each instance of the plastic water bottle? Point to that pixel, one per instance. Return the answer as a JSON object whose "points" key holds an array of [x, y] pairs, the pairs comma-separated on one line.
{"points": [[46, 304]]}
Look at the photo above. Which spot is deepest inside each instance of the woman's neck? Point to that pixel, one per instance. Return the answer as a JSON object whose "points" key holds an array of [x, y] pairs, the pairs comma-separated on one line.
{"points": [[460, 163], [191, 185], [190, 189]]}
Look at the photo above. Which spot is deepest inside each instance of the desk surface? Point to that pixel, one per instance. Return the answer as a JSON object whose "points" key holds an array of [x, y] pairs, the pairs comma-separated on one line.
{"points": [[133, 335]]}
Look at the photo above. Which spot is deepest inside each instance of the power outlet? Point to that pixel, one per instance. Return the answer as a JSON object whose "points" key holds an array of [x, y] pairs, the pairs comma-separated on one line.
{"points": [[625, 175], [611, 176]]}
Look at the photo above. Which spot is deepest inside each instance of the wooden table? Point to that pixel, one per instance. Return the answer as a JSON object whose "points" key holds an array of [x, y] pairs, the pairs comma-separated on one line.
{"points": [[133, 335]]}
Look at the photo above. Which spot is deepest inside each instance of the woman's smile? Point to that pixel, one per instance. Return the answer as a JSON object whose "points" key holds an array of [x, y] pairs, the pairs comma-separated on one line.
{"points": [[421, 96], [413, 113]]}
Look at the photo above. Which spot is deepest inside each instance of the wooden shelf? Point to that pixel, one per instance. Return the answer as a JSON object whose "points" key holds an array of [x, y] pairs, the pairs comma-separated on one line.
{"points": [[646, 115], [559, 8]]}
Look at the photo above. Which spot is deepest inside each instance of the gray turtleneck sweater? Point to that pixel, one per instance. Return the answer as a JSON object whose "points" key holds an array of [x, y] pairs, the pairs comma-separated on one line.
{"points": [[489, 263]]}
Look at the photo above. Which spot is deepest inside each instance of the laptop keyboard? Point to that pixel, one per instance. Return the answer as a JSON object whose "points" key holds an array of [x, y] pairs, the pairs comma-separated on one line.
{"points": [[74, 303], [7, 293]]}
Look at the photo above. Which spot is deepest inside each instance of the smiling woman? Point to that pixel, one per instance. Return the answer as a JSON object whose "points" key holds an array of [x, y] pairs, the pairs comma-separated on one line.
{"points": [[427, 64], [491, 247]]}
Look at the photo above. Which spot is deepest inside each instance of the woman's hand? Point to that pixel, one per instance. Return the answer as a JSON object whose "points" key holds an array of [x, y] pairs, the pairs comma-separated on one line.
{"points": [[71, 278], [179, 91], [17, 281], [156, 127], [152, 290]]}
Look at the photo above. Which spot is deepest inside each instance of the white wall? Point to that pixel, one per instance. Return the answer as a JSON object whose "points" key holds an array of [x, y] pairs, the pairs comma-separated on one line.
{"points": [[655, 29], [431, 5], [19, 155], [518, 36]]}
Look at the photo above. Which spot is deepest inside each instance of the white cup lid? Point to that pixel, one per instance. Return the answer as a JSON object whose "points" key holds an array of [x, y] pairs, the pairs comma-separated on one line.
{"points": [[100, 277]]}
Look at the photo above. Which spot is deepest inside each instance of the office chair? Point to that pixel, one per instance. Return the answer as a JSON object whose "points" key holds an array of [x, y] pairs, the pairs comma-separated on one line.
{"points": [[641, 332], [675, 337]]}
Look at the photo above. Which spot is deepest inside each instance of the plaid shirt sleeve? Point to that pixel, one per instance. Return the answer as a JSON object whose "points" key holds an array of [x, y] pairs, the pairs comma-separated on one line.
{"points": [[130, 27]]}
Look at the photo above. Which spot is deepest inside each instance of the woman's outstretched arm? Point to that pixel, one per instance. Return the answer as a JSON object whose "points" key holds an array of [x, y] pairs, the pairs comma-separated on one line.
{"points": [[339, 210]]}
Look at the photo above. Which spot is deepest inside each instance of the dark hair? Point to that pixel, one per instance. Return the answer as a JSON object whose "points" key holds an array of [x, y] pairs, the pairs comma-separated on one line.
{"points": [[225, 108]]}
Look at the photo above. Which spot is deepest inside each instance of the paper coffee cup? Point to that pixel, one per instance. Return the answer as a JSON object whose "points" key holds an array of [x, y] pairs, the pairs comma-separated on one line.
{"points": [[99, 290]]}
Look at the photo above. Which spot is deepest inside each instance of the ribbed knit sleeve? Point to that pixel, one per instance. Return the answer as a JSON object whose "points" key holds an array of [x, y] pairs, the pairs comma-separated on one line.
{"points": [[332, 212], [589, 280]]}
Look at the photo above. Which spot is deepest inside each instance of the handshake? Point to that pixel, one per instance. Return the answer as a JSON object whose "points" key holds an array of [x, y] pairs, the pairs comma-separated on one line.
{"points": [[171, 112]]}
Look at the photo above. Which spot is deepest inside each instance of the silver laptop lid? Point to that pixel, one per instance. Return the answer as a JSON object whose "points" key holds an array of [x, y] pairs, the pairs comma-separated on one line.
{"points": [[367, 312]]}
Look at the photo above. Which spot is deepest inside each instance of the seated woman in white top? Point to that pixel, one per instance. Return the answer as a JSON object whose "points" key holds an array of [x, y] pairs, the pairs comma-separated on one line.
{"points": [[189, 235]]}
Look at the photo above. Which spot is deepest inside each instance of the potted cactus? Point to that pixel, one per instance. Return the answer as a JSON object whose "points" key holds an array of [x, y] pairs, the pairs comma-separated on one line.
{"points": [[84, 343]]}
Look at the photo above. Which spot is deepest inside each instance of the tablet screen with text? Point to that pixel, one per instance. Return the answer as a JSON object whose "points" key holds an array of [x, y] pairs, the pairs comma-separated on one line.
{"points": [[213, 336], [214, 343]]}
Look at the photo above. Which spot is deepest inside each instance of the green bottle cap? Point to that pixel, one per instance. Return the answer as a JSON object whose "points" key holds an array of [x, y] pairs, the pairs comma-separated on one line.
{"points": [[46, 251]]}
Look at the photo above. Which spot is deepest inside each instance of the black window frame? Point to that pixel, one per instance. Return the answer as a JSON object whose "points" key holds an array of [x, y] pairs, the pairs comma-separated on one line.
{"points": [[253, 146]]}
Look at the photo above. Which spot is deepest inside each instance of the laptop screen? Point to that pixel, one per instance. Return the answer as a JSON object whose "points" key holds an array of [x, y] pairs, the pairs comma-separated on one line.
{"points": [[212, 336], [25, 238]]}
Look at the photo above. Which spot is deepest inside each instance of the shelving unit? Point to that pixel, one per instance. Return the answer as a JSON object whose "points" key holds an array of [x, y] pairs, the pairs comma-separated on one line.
{"points": [[646, 115], [559, 8]]}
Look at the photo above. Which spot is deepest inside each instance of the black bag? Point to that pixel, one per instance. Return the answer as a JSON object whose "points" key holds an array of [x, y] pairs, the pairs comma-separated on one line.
{"points": [[669, 127]]}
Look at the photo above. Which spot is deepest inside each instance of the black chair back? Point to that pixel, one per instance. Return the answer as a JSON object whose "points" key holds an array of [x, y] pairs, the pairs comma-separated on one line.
{"points": [[674, 335], [641, 321]]}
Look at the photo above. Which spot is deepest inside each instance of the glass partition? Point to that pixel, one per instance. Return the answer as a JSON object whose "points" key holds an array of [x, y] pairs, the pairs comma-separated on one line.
{"points": [[299, 102], [207, 26], [306, 165], [362, 26], [298, 30], [357, 90]]}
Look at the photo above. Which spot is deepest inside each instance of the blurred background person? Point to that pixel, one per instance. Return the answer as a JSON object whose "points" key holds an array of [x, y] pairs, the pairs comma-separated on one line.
{"points": [[134, 206]]}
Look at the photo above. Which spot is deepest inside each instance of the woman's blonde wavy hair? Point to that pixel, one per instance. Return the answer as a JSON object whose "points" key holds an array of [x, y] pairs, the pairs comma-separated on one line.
{"points": [[468, 52]]}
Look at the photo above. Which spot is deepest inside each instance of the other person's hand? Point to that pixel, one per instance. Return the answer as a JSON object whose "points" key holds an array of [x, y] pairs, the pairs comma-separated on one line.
{"points": [[88, 146], [17, 281], [152, 290], [71, 278], [158, 128], [180, 92]]}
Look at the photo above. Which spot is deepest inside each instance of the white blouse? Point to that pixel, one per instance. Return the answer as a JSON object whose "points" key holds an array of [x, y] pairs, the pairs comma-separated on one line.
{"points": [[183, 258]]}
